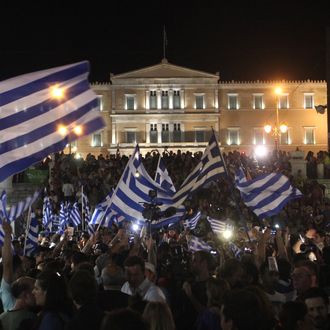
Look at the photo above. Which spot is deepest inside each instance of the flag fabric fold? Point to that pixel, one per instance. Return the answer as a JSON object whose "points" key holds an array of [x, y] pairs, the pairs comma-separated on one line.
{"points": [[31, 242], [31, 114], [266, 194]]}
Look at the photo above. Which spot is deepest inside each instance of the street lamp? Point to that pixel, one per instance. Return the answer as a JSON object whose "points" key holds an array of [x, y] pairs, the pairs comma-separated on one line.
{"points": [[278, 128]]}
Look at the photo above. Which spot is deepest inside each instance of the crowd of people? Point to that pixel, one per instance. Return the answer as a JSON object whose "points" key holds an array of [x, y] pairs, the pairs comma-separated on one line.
{"points": [[271, 274]]}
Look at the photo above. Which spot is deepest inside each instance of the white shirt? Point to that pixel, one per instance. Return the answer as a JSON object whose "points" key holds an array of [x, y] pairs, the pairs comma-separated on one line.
{"points": [[147, 290]]}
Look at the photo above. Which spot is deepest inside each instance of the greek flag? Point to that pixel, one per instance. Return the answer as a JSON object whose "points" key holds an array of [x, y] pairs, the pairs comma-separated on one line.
{"points": [[210, 167], [18, 209], [191, 223], [196, 244], [64, 216], [162, 177], [266, 194], [31, 242], [41, 112], [47, 213], [219, 226], [3, 215], [132, 194], [75, 216]]}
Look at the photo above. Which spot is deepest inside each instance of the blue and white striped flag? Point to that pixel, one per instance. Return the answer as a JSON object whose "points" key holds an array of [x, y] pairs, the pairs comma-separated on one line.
{"points": [[3, 206], [132, 194], [266, 194], [31, 242], [75, 216], [162, 177], [219, 226], [191, 222], [47, 213], [210, 167], [41, 112], [196, 244], [18, 209], [64, 216]]}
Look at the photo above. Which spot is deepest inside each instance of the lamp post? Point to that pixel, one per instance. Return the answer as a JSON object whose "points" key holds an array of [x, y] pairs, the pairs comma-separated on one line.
{"points": [[278, 128]]}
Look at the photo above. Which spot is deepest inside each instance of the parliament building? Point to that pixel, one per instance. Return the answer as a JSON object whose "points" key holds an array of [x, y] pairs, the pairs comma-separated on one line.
{"points": [[169, 107]]}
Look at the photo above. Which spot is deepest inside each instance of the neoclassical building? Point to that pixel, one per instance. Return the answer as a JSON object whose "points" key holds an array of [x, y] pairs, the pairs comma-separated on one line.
{"points": [[169, 106]]}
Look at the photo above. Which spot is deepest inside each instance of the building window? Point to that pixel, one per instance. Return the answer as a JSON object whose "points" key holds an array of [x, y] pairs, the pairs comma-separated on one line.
{"points": [[176, 132], [153, 100], [165, 133], [308, 101], [233, 136], [309, 135], [100, 102], [258, 137], [130, 137], [130, 102], [283, 102], [199, 99], [232, 101], [176, 100], [199, 136], [165, 100], [97, 140], [153, 133], [258, 102]]}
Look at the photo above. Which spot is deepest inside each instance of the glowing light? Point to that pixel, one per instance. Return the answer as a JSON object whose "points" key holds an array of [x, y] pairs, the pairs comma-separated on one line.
{"points": [[135, 227], [57, 92], [268, 128], [227, 234], [278, 90], [283, 128], [74, 149], [78, 130], [77, 156], [62, 130], [260, 151], [277, 226], [137, 174]]}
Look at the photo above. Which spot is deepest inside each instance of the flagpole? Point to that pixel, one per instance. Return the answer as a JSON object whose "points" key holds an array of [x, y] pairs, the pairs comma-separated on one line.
{"points": [[28, 223], [82, 209], [242, 219]]}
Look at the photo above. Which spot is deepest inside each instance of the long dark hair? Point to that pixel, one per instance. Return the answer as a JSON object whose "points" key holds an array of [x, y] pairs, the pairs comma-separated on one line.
{"points": [[57, 293]]}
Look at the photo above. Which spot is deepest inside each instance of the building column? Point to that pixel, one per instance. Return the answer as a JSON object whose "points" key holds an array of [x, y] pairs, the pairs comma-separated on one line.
{"points": [[159, 99], [159, 133], [182, 96], [147, 133], [114, 135], [170, 99], [216, 99], [147, 102]]}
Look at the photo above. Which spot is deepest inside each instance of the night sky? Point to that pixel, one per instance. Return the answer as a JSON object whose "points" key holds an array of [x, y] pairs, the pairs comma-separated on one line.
{"points": [[243, 40]]}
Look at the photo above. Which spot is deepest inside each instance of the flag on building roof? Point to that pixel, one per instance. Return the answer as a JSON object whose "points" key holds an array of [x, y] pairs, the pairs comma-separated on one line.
{"points": [[266, 194], [41, 112], [31, 240]]}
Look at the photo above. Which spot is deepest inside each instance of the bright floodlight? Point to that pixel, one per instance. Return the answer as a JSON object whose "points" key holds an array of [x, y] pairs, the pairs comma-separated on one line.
{"points": [[136, 174], [283, 128], [62, 130], [78, 130], [260, 151], [278, 90], [268, 128], [57, 92], [135, 227], [227, 234]]}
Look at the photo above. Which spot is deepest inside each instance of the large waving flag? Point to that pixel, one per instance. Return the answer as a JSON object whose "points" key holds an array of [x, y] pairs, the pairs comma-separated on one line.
{"points": [[210, 167], [266, 194], [43, 111], [162, 177], [132, 194]]}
